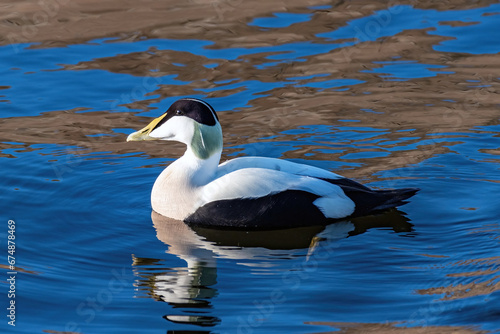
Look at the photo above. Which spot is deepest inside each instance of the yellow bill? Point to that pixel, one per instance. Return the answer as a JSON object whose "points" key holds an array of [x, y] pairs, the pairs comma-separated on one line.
{"points": [[143, 134]]}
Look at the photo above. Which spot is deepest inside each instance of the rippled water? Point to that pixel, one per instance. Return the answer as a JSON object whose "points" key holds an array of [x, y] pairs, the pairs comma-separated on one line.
{"points": [[398, 96]]}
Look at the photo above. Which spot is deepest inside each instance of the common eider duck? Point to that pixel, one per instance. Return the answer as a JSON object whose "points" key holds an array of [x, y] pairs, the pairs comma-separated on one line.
{"points": [[248, 192]]}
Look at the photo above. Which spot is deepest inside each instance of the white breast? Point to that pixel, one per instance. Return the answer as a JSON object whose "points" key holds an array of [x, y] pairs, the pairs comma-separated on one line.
{"points": [[172, 196]]}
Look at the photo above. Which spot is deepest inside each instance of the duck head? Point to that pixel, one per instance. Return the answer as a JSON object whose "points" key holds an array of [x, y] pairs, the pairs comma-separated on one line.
{"points": [[189, 121]]}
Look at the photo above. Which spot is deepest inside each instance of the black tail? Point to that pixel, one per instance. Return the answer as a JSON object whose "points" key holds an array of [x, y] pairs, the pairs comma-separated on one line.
{"points": [[369, 201], [393, 197]]}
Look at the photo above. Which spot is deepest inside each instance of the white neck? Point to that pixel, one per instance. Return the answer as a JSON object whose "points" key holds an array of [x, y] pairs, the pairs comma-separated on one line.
{"points": [[198, 172], [176, 190]]}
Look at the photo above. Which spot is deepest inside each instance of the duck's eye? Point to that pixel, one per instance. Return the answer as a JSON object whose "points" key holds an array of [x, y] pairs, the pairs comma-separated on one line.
{"points": [[179, 112]]}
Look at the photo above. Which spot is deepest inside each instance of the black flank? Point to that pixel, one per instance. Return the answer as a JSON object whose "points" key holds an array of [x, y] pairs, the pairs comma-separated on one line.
{"points": [[291, 208]]}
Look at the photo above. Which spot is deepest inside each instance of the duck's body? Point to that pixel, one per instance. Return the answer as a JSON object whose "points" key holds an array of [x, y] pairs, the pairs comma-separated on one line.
{"points": [[248, 192]]}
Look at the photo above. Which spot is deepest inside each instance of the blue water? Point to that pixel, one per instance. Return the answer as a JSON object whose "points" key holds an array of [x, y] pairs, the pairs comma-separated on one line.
{"points": [[91, 258]]}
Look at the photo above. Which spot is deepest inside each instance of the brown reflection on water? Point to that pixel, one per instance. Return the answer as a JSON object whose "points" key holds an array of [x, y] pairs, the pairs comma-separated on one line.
{"points": [[440, 104], [64, 22], [470, 277], [18, 269], [484, 271], [92, 131], [393, 327]]}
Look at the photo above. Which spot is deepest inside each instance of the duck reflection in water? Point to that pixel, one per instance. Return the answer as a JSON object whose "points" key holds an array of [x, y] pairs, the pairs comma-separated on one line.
{"points": [[191, 288]]}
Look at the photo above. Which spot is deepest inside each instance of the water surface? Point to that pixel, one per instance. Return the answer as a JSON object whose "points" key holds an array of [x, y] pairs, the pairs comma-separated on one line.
{"points": [[403, 95]]}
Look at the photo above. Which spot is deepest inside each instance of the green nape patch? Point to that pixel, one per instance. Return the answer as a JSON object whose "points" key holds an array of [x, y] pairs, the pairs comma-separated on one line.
{"points": [[206, 140]]}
